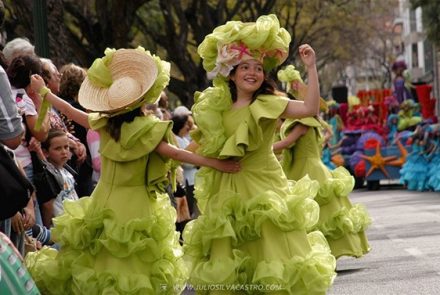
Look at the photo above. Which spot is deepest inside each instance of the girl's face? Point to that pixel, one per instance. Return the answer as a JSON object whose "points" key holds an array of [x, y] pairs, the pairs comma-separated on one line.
{"points": [[58, 153], [248, 77]]}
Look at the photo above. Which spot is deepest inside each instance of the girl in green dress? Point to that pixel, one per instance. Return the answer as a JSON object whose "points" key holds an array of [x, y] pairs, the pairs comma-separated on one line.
{"points": [[121, 239], [252, 235], [301, 143]]}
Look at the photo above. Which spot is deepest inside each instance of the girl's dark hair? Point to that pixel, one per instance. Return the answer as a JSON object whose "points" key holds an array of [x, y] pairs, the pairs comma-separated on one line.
{"points": [[51, 135], [267, 87], [21, 68], [114, 124], [178, 123]]}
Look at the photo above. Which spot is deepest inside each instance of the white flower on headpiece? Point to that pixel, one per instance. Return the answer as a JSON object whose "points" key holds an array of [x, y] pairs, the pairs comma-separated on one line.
{"points": [[228, 56]]}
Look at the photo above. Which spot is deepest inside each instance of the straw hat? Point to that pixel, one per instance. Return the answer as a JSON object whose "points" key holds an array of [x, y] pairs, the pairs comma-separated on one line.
{"points": [[120, 79]]}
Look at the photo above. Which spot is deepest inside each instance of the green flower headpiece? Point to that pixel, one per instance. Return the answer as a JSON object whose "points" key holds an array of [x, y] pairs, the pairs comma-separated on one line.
{"points": [[236, 41], [288, 75]]}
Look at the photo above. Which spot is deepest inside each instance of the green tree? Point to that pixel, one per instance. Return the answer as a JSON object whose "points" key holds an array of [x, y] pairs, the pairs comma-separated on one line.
{"points": [[80, 30]]}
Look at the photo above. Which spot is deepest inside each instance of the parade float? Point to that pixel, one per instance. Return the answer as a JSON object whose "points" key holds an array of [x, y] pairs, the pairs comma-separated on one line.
{"points": [[375, 134]]}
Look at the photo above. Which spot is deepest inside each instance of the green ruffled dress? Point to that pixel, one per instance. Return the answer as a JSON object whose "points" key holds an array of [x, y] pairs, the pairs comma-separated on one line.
{"points": [[121, 239], [251, 237], [342, 223]]}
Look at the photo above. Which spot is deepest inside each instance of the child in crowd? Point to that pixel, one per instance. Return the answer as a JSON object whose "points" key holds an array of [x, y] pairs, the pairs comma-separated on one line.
{"points": [[56, 151]]}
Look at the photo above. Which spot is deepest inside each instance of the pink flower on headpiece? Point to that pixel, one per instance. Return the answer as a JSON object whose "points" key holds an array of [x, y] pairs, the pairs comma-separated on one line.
{"points": [[241, 48], [228, 56]]}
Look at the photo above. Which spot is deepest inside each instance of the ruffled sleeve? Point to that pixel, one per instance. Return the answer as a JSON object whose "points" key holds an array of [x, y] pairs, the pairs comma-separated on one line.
{"points": [[268, 107], [286, 128], [290, 123], [249, 133], [139, 138], [207, 112]]}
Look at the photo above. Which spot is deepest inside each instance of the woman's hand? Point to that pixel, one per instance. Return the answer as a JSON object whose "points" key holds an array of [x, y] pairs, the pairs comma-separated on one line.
{"points": [[37, 83], [28, 218], [17, 223], [307, 55], [35, 146], [228, 166], [80, 152]]}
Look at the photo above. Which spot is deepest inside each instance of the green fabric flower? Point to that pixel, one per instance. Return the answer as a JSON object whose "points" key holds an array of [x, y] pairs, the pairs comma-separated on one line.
{"points": [[288, 75], [228, 44]]}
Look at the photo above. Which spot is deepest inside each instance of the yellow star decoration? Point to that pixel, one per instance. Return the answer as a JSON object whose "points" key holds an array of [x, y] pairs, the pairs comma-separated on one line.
{"points": [[403, 153], [378, 162]]}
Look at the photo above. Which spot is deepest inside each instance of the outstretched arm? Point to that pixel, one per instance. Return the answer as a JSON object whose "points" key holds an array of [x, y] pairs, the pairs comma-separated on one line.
{"points": [[180, 155], [297, 131], [310, 105], [80, 117]]}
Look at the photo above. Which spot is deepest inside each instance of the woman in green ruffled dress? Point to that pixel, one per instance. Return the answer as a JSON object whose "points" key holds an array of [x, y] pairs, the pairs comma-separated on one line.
{"points": [[252, 236], [122, 239], [342, 223]]}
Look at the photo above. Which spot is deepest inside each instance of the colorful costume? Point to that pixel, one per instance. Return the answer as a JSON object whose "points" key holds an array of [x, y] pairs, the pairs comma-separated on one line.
{"points": [[401, 82], [342, 223], [433, 182], [253, 224], [122, 239], [414, 172], [406, 117], [252, 232], [327, 157]]}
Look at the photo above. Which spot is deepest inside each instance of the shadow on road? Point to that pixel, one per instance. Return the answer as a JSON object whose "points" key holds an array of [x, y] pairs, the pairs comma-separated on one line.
{"points": [[343, 272]]}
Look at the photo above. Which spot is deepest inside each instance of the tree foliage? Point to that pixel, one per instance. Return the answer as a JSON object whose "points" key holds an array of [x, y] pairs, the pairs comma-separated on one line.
{"points": [[80, 30]]}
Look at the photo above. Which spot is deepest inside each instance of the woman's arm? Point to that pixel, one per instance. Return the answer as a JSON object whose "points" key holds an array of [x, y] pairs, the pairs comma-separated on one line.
{"points": [[310, 105], [80, 117], [297, 131], [41, 134], [180, 155], [93, 143]]}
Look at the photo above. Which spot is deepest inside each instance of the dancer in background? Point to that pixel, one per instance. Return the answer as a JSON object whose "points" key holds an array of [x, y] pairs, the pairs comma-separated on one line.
{"points": [[253, 226], [121, 239], [342, 223]]}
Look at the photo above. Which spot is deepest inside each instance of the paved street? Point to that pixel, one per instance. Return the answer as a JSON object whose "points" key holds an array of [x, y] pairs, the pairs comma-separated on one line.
{"points": [[405, 241]]}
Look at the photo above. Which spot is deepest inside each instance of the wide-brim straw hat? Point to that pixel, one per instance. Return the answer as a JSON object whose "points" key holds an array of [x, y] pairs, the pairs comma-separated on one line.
{"points": [[133, 72]]}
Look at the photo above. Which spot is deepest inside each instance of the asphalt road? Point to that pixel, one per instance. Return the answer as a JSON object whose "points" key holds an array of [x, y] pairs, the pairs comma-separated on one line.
{"points": [[405, 242]]}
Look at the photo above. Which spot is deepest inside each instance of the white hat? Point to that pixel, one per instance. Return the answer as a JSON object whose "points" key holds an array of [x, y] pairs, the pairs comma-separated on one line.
{"points": [[181, 111]]}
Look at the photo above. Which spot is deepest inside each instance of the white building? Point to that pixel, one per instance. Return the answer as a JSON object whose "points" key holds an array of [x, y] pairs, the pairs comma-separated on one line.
{"points": [[418, 53]]}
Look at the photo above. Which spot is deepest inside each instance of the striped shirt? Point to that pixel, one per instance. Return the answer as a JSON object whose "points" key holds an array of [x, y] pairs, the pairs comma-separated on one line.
{"points": [[10, 120]]}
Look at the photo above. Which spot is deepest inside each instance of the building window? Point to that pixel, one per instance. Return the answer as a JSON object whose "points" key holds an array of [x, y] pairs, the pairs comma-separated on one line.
{"points": [[429, 57], [412, 21], [415, 56]]}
